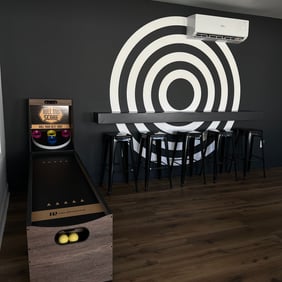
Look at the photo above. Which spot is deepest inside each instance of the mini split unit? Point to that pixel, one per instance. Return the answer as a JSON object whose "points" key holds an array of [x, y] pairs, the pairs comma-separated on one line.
{"points": [[213, 28]]}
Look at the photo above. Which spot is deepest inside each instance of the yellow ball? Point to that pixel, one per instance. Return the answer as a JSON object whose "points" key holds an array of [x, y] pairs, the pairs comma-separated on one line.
{"points": [[73, 237], [63, 239]]}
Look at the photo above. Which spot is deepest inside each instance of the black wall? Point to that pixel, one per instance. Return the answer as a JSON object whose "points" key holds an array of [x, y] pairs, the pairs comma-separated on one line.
{"points": [[67, 49]]}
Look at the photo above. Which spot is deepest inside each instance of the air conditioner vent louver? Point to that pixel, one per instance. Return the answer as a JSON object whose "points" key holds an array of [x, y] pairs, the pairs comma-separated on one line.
{"points": [[213, 28], [218, 37]]}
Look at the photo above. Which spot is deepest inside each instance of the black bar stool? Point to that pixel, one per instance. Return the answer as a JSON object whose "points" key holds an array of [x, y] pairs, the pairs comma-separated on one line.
{"points": [[252, 141], [188, 140], [147, 140], [224, 151], [124, 141]]}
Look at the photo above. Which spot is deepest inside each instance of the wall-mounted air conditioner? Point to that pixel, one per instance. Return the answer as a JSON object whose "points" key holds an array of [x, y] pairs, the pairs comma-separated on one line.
{"points": [[214, 28]]}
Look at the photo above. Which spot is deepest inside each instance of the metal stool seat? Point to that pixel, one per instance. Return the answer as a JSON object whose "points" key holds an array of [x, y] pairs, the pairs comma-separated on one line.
{"points": [[125, 142], [252, 140], [224, 151], [188, 141], [147, 140]]}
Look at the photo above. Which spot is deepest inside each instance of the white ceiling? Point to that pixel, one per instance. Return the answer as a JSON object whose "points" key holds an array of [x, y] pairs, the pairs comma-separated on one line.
{"points": [[266, 8]]}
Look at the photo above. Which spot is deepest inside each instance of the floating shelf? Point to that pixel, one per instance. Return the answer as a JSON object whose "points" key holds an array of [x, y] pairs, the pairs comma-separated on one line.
{"points": [[112, 118]]}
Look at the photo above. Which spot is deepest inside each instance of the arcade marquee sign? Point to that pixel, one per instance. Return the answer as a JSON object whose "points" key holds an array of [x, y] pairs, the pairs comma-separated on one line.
{"points": [[50, 123], [51, 114], [50, 117]]}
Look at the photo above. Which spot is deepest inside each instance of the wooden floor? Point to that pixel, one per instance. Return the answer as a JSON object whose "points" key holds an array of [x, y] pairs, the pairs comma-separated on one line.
{"points": [[229, 231]]}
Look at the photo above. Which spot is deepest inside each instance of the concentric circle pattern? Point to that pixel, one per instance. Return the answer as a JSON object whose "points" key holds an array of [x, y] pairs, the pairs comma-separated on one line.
{"points": [[151, 64]]}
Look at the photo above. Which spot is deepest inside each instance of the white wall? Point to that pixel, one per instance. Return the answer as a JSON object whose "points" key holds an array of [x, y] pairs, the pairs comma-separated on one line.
{"points": [[4, 194]]}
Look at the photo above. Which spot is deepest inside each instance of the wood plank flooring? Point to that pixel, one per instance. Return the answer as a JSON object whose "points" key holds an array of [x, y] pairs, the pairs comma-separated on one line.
{"points": [[230, 231], [13, 254]]}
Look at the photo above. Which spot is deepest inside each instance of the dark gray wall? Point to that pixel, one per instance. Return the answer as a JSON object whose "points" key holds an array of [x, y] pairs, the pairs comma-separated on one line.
{"points": [[66, 49]]}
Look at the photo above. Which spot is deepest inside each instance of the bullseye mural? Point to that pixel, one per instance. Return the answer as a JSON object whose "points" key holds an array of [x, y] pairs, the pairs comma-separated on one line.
{"points": [[159, 58]]}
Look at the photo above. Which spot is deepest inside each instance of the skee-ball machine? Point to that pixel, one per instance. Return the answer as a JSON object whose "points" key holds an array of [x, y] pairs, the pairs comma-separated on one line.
{"points": [[69, 226]]}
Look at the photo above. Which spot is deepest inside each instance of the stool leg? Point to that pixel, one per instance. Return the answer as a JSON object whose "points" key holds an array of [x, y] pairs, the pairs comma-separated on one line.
{"points": [[246, 152], [240, 148], [216, 145], [141, 145], [173, 155], [203, 169], [159, 156], [234, 149], [111, 165], [105, 154], [133, 164], [147, 161], [167, 160], [191, 154], [263, 160], [221, 149], [124, 156], [233, 152], [250, 152], [204, 143], [229, 151], [185, 144]]}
